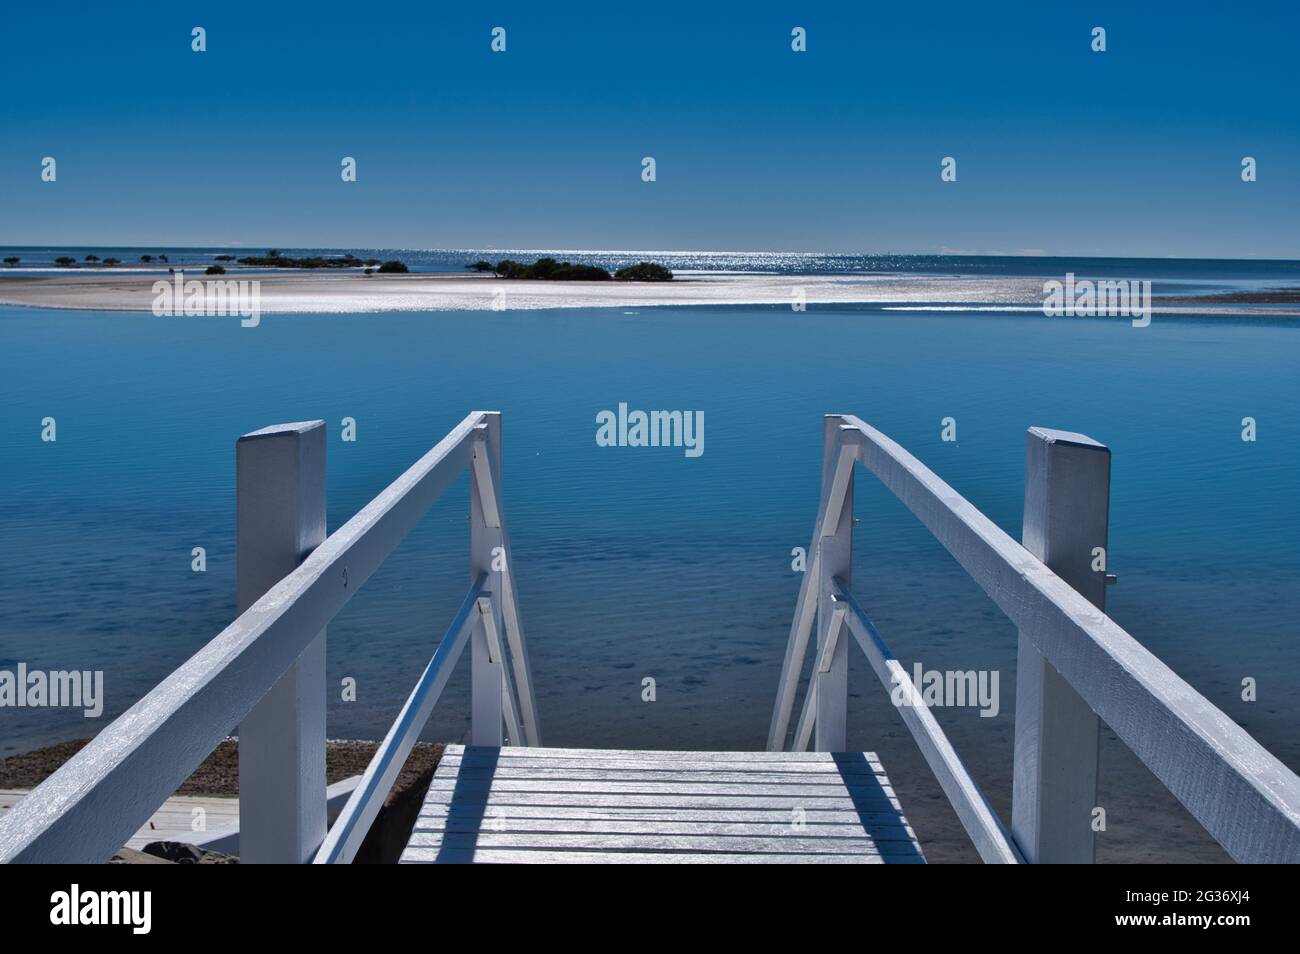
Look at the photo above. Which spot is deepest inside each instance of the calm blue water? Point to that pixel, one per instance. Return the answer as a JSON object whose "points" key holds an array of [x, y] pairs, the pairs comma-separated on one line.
{"points": [[641, 562]]}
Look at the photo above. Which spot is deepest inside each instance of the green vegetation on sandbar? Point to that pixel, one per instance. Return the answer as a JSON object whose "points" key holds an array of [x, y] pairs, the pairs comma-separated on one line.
{"points": [[215, 270], [549, 269], [389, 268], [67, 261], [12, 260], [273, 259], [644, 272]]}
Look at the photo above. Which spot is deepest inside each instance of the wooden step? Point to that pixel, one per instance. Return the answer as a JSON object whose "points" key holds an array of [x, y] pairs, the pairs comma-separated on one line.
{"points": [[520, 805]]}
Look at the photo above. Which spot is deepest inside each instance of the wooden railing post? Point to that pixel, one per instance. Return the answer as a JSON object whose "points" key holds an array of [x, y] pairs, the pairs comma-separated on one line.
{"points": [[487, 678], [1054, 788], [836, 553], [280, 505]]}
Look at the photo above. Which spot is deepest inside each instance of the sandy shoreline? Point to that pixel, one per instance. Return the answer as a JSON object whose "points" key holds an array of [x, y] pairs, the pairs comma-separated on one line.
{"points": [[219, 772], [354, 293]]}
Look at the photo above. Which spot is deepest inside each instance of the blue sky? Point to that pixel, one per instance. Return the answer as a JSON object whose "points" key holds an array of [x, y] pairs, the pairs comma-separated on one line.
{"points": [[1135, 151]]}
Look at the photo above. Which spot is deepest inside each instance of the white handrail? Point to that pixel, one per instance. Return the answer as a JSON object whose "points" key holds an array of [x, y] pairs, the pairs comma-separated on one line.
{"points": [[528, 725], [100, 797], [509, 710], [1242, 794], [989, 835], [1239, 791], [808, 717], [354, 821], [806, 604]]}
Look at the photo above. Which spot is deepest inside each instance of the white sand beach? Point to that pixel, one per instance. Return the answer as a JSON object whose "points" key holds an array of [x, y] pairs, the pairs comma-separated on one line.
{"points": [[352, 292], [291, 292]]}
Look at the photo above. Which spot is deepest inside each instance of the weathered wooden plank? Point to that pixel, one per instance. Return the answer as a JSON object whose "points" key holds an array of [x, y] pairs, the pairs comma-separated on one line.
{"points": [[660, 776], [600, 841], [518, 857], [669, 799], [885, 827], [654, 755], [799, 769], [824, 761], [851, 769], [754, 790], [433, 813]]}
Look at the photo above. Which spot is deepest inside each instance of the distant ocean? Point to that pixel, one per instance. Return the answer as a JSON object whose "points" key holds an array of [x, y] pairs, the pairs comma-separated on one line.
{"points": [[1194, 273], [643, 562]]}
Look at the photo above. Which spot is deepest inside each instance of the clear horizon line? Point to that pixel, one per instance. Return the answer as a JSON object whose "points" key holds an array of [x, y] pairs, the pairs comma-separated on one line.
{"points": [[947, 253]]}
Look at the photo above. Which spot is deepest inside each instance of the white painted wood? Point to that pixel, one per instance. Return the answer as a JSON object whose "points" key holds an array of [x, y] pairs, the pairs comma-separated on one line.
{"points": [[655, 841], [800, 789], [831, 670], [280, 505], [682, 801], [1067, 505], [807, 717], [836, 492], [224, 836], [349, 831], [869, 788], [92, 804], [805, 613], [1240, 793], [513, 731], [520, 668], [596, 761], [987, 833], [487, 674], [654, 755], [520, 662], [522, 805], [885, 828], [441, 815], [527, 857], [478, 615], [819, 783]]}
